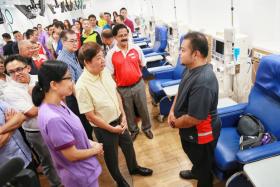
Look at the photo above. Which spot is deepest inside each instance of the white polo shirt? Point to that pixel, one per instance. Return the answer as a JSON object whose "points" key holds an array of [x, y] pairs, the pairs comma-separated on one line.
{"points": [[17, 96], [3, 84]]}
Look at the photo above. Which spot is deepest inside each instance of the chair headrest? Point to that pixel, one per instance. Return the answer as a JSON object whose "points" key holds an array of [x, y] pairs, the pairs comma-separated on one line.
{"points": [[161, 33], [268, 74]]}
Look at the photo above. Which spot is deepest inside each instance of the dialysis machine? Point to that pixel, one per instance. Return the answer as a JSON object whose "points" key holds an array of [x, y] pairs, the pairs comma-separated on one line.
{"points": [[173, 43], [230, 58]]}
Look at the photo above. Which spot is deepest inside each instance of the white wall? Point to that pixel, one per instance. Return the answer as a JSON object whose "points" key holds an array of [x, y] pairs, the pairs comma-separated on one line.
{"points": [[257, 18], [260, 20]]}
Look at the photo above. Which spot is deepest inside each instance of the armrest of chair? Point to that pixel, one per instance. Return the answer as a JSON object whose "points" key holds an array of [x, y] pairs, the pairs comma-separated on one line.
{"points": [[141, 39], [163, 54], [160, 69], [230, 115], [153, 58], [168, 74], [170, 83], [258, 153], [141, 44], [147, 50]]}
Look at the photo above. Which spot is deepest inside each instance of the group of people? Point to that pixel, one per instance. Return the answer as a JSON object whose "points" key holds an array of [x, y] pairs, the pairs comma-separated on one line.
{"points": [[91, 81]]}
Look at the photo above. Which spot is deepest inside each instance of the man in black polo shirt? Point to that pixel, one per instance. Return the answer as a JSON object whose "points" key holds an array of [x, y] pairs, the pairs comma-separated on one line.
{"points": [[194, 110], [8, 48]]}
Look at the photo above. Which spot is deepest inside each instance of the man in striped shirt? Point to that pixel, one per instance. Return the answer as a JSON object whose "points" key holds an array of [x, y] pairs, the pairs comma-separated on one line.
{"points": [[68, 55]]}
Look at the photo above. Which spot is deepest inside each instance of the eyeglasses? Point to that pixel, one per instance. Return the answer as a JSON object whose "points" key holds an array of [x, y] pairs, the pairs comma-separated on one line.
{"points": [[67, 78], [17, 70]]}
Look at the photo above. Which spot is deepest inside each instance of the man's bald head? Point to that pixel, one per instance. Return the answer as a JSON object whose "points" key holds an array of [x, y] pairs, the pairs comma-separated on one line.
{"points": [[25, 48]]}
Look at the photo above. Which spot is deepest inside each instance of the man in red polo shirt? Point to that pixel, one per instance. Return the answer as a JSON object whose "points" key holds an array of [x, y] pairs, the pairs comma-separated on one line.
{"points": [[127, 21], [125, 61]]}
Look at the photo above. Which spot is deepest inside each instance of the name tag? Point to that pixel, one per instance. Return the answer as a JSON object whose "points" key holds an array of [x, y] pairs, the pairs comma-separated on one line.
{"points": [[131, 55]]}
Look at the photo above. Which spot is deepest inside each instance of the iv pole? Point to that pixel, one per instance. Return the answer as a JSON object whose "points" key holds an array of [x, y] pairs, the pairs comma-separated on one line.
{"points": [[232, 9], [175, 11], [153, 9]]}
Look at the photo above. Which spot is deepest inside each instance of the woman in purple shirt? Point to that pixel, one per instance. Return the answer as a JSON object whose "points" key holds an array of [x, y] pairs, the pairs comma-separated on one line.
{"points": [[73, 154]]}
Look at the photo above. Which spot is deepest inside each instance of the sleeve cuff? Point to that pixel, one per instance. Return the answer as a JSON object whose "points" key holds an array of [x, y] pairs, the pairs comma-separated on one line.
{"points": [[67, 145], [86, 110]]}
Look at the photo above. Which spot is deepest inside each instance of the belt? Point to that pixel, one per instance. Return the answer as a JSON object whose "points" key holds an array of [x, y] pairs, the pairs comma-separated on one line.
{"points": [[116, 121], [132, 84]]}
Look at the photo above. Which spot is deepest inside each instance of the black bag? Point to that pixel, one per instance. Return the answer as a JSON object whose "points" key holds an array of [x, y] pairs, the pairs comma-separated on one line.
{"points": [[252, 132], [249, 125]]}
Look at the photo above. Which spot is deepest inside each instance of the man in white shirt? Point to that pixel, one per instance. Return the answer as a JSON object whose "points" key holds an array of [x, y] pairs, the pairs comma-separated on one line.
{"points": [[18, 95], [3, 77]]}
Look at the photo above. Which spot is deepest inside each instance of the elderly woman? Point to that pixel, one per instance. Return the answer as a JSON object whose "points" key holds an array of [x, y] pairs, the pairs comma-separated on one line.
{"points": [[99, 100]]}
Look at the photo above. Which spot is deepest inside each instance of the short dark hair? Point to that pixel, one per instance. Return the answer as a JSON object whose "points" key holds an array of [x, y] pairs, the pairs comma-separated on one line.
{"points": [[49, 26], [55, 20], [6, 35], [123, 8], [59, 24], [107, 33], [117, 28], [15, 32], [16, 57], [91, 16], [63, 34], [88, 51], [51, 70], [29, 32], [198, 42], [39, 24], [108, 14]]}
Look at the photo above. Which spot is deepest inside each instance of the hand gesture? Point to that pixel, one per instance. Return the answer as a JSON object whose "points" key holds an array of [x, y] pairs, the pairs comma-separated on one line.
{"points": [[98, 147], [171, 119], [124, 123], [119, 129], [9, 114]]}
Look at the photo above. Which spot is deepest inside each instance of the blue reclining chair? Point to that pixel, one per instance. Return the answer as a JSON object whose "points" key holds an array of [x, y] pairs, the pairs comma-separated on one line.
{"points": [[264, 103], [141, 39], [165, 76], [163, 79], [156, 56], [142, 42], [160, 44]]}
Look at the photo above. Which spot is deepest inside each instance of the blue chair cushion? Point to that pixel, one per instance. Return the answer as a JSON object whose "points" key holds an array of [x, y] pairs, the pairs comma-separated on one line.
{"points": [[156, 84], [155, 53], [266, 109], [147, 50], [268, 75], [156, 90], [170, 83], [227, 147]]}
